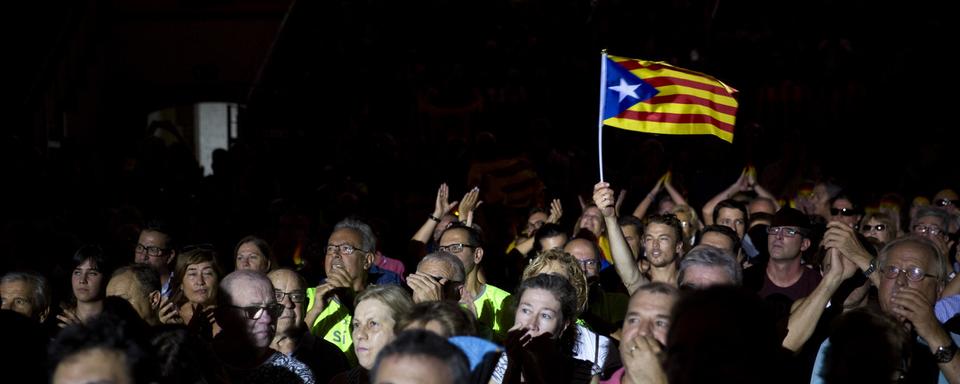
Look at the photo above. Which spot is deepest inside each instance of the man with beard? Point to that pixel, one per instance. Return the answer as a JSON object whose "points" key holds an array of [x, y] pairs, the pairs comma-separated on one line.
{"points": [[661, 240], [784, 274]]}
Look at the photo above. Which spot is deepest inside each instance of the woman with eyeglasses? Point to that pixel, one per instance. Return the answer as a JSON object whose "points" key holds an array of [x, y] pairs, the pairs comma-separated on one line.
{"points": [[377, 310], [253, 253], [88, 281], [195, 283], [879, 226]]}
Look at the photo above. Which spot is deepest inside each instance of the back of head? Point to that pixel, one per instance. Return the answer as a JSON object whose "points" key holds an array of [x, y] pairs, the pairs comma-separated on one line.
{"points": [[106, 333], [419, 344], [24, 350], [454, 320], [866, 346], [147, 277], [711, 332], [712, 257]]}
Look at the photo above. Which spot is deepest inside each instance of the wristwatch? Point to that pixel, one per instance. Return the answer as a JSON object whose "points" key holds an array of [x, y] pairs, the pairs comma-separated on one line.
{"points": [[945, 353], [871, 268]]}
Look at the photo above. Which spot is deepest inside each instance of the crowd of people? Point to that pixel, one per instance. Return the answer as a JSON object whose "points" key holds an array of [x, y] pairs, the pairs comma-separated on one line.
{"points": [[817, 287]]}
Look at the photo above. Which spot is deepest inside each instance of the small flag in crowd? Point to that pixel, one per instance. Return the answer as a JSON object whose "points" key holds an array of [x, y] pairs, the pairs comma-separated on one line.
{"points": [[656, 97]]}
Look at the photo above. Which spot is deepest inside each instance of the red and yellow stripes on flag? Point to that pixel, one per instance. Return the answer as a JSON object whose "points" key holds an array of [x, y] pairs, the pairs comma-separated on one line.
{"points": [[688, 103]]}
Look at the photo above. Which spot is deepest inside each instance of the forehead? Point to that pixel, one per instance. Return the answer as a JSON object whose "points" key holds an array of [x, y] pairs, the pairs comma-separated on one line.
{"points": [[456, 235], [539, 297], [148, 237], [246, 291], [929, 220], [842, 203], [907, 254], [537, 216], [372, 308], [945, 194], [591, 211], [17, 287], [249, 247], [345, 236], [201, 265], [436, 267], [286, 280], [652, 303], [730, 213], [716, 239], [658, 229], [580, 248]]}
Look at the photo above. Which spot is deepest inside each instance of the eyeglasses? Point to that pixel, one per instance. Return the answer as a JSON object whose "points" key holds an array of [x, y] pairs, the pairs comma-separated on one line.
{"points": [[946, 202], [343, 249], [787, 231], [844, 212], [913, 274], [878, 228], [150, 251], [588, 263], [255, 313], [927, 229], [296, 296], [455, 247]]}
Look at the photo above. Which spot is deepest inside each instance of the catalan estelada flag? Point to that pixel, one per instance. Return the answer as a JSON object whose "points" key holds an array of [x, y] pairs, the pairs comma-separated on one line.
{"points": [[656, 97]]}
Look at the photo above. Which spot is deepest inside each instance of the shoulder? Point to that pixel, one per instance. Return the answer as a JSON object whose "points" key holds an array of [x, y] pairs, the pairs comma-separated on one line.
{"points": [[293, 365]]}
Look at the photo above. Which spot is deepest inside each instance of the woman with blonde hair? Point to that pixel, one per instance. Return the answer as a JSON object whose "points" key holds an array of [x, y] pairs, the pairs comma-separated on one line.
{"points": [[376, 312]]}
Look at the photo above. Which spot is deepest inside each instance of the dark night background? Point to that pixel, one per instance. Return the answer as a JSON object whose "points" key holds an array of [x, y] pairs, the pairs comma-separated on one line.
{"points": [[366, 106]]}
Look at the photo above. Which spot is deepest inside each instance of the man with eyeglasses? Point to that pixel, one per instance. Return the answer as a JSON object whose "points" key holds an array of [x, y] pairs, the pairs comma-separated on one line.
{"points": [[293, 337], [155, 247], [911, 273], [349, 255], [439, 276], [932, 223], [247, 311], [784, 273], [466, 244], [585, 251]]}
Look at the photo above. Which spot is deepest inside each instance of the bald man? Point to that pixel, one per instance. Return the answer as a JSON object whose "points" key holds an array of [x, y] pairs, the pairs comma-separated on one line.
{"points": [[247, 311], [293, 337]]}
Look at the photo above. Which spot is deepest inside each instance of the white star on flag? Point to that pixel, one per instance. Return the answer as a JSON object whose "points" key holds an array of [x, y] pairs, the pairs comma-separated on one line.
{"points": [[625, 89]]}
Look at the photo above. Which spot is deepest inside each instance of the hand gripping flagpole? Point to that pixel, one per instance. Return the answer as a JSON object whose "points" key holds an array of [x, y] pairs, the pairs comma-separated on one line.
{"points": [[603, 92]]}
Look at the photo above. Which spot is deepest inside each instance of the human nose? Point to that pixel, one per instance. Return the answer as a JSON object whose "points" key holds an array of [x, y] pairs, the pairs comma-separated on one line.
{"points": [[287, 301]]}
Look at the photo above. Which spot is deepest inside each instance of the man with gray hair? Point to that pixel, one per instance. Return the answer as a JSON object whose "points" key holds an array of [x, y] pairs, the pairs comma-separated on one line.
{"points": [[932, 223], [439, 276], [349, 255], [912, 273], [247, 312], [706, 266], [25, 293]]}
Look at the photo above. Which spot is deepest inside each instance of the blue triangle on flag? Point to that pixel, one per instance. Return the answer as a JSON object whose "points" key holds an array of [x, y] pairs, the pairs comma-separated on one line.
{"points": [[623, 90]]}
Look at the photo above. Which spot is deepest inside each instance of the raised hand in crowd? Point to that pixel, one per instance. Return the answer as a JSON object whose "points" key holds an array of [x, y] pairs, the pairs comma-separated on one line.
{"points": [[441, 208], [843, 238], [623, 261], [468, 205]]}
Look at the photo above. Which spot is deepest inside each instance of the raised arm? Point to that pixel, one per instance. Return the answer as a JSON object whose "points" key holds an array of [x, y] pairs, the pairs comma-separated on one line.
{"points": [[842, 237], [739, 185], [622, 257], [759, 189], [441, 207], [644, 205], [806, 311], [674, 194]]}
